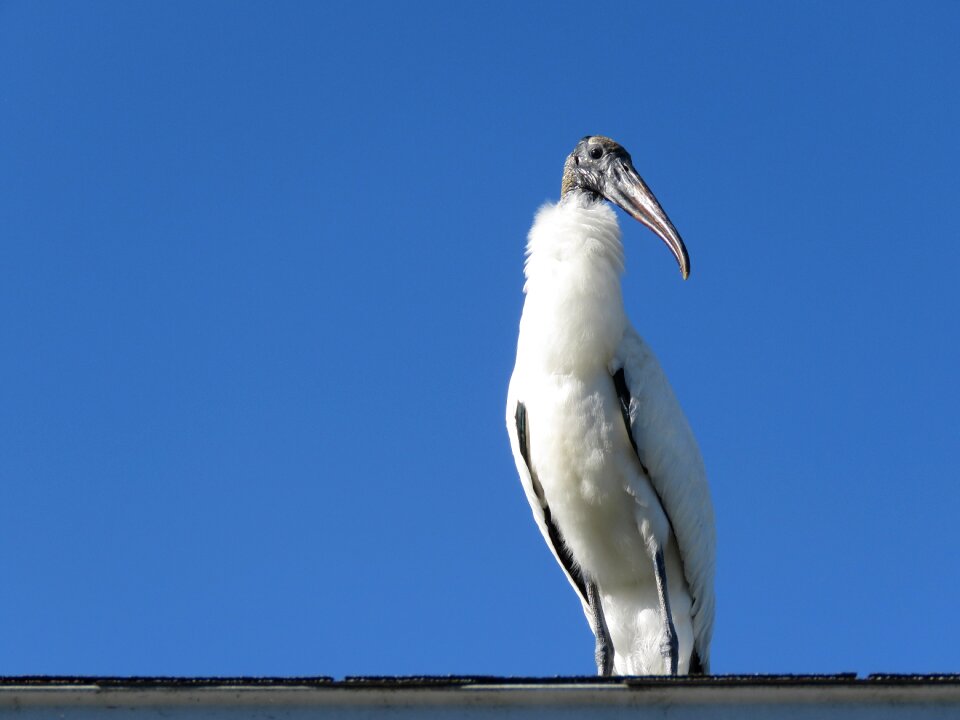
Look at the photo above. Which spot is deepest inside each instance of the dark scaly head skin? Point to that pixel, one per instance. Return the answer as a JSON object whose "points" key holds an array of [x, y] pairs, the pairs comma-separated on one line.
{"points": [[601, 167], [588, 161]]}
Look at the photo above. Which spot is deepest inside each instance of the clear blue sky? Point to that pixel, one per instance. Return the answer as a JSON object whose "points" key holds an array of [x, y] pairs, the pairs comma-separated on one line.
{"points": [[260, 278]]}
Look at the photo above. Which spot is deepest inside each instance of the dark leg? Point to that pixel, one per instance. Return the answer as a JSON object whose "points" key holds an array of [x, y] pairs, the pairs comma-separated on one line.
{"points": [[603, 653], [671, 646]]}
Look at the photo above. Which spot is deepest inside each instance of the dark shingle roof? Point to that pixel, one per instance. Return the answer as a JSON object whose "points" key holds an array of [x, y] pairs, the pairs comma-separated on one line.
{"points": [[452, 681]]}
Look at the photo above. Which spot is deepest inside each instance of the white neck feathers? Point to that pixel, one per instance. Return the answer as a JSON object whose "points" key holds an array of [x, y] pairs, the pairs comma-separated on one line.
{"points": [[573, 317]]}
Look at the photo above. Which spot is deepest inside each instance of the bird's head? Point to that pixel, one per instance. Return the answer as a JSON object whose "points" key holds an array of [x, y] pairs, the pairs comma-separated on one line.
{"points": [[601, 167]]}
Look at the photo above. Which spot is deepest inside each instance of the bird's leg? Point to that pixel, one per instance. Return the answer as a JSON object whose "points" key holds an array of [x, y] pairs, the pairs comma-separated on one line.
{"points": [[670, 649], [603, 653]]}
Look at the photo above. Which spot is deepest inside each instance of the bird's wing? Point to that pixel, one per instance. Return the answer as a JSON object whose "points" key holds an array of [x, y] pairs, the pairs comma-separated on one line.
{"points": [[668, 452], [518, 427]]}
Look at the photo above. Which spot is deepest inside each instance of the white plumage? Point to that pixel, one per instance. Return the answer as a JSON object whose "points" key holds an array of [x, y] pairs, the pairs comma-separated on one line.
{"points": [[612, 503]]}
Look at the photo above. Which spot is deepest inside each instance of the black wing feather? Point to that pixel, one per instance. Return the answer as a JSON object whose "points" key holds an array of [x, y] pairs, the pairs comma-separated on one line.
{"points": [[556, 539]]}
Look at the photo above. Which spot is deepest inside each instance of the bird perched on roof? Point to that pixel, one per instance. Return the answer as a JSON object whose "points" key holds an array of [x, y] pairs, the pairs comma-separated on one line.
{"points": [[607, 459]]}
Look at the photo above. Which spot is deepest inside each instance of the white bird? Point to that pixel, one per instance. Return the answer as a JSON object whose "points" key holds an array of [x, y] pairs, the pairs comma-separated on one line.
{"points": [[607, 459]]}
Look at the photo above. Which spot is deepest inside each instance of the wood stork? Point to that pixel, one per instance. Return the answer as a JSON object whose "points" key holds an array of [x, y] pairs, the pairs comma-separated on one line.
{"points": [[607, 459]]}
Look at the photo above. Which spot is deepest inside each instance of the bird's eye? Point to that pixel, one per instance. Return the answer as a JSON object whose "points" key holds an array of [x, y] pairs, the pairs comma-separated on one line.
{"points": [[596, 152]]}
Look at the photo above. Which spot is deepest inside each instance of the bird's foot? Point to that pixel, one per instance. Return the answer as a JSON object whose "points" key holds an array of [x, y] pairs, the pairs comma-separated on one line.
{"points": [[670, 647], [670, 651], [604, 658], [603, 651]]}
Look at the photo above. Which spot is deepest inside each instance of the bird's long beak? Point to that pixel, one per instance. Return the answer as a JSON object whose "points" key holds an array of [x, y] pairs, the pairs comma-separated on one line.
{"points": [[628, 190]]}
